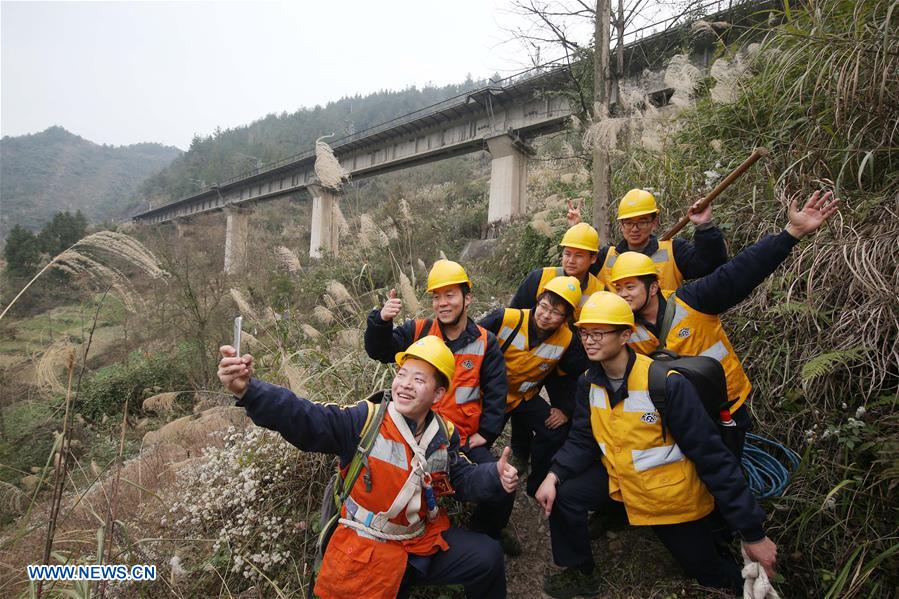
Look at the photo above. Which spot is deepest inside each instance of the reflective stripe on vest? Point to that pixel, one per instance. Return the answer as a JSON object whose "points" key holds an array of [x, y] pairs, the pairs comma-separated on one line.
{"points": [[462, 402], [405, 511], [657, 484], [694, 333], [670, 277], [388, 483], [526, 368]]}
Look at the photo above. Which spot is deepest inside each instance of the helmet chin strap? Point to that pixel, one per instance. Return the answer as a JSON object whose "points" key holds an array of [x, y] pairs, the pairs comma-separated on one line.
{"points": [[646, 301], [456, 321]]}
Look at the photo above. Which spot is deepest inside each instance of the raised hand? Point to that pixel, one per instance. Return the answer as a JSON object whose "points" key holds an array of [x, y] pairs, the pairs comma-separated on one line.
{"points": [[698, 217], [818, 208], [508, 475], [392, 307], [234, 372], [574, 213], [546, 494]]}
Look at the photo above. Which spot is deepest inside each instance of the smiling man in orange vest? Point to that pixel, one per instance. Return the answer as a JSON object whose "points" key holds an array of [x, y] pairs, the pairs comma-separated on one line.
{"points": [[476, 398], [391, 533]]}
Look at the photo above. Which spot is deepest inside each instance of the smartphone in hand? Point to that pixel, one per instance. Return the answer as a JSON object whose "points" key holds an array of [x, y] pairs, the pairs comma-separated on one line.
{"points": [[238, 322]]}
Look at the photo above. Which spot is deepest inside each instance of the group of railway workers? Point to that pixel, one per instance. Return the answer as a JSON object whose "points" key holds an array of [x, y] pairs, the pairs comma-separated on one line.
{"points": [[594, 445]]}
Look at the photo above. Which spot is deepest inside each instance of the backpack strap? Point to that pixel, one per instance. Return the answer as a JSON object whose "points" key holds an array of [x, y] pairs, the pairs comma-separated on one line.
{"points": [[658, 374], [667, 319], [511, 337], [423, 331], [340, 486], [366, 442]]}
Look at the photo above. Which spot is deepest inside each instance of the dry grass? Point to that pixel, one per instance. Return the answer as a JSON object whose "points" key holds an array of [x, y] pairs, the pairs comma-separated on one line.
{"points": [[52, 362], [323, 315], [288, 259], [338, 292], [410, 297], [370, 236], [161, 403], [683, 77], [310, 331], [243, 306], [194, 430]]}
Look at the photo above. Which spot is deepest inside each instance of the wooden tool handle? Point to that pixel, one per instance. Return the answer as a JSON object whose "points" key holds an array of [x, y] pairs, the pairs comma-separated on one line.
{"points": [[725, 183]]}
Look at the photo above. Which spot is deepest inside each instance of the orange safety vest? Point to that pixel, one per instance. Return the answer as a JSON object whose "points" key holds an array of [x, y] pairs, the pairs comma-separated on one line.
{"points": [[462, 402], [694, 333], [527, 367], [593, 285], [650, 474], [670, 276], [359, 565]]}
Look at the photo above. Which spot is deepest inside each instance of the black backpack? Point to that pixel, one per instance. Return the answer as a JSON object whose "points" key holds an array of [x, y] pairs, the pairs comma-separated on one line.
{"points": [[706, 374]]}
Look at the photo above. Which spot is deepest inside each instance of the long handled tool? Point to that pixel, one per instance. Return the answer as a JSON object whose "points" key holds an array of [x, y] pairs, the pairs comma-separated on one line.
{"points": [[708, 199]]}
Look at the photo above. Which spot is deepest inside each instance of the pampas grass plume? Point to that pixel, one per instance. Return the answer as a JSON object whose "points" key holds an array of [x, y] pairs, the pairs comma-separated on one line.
{"points": [[407, 291], [243, 305], [337, 291], [323, 315]]}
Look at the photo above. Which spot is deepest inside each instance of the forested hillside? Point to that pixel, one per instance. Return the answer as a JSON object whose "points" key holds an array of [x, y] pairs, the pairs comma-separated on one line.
{"points": [[55, 170], [231, 152]]}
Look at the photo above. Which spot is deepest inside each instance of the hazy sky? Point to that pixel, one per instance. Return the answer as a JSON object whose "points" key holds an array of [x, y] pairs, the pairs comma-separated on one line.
{"points": [[127, 72]]}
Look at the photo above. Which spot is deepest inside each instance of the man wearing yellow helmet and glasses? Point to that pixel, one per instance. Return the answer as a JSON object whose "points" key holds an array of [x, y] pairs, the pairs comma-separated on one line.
{"points": [[670, 478], [535, 344], [695, 327], [391, 533], [677, 259]]}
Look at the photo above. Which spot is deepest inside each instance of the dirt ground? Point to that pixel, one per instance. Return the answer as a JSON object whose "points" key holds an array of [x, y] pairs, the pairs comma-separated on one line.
{"points": [[632, 563]]}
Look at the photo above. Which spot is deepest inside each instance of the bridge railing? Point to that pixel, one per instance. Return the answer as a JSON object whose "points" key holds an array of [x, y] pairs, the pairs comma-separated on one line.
{"points": [[636, 37]]}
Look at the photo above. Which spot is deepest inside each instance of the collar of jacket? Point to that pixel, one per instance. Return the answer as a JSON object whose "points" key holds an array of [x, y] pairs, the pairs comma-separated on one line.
{"points": [[651, 248], [597, 376], [654, 327], [468, 335]]}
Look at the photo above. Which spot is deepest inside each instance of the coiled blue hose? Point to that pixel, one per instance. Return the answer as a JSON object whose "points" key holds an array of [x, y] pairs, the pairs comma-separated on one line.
{"points": [[768, 476]]}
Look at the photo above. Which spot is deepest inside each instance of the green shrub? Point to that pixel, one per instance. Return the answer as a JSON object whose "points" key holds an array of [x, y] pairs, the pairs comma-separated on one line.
{"points": [[141, 375]]}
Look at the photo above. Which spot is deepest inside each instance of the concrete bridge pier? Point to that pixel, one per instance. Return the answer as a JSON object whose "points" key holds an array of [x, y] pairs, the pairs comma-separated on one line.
{"points": [[324, 226], [508, 177], [182, 227], [237, 218]]}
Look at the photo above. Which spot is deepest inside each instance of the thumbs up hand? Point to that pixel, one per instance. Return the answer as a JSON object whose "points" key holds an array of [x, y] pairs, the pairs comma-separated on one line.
{"points": [[508, 475], [392, 307]]}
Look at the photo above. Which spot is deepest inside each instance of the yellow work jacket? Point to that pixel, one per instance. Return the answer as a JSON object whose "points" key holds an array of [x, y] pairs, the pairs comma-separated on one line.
{"points": [[694, 333], [593, 285], [670, 276], [526, 367], [649, 474]]}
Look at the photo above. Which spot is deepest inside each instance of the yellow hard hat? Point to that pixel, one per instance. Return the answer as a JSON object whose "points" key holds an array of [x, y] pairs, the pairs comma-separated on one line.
{"points": [[568, 288], [434, 351], [632, 264], [637, 202], [447, 272], [581, 236], [604, 307]]}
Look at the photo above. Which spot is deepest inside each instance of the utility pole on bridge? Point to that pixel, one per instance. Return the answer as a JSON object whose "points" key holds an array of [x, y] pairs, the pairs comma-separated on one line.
{"points": [[601, 90]]}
